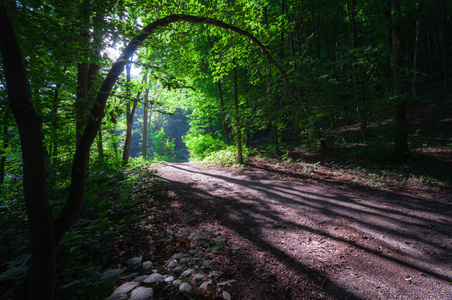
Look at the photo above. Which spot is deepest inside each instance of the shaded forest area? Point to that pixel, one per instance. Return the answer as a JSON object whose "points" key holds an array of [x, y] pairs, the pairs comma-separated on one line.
{"points": [[93, 92]]}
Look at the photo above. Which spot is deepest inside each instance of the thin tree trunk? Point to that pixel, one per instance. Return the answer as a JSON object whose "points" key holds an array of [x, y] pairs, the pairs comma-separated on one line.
{"points": [[356, 87], [446, 45], [237, 119], [80, 102], [394, 44], [3, 157], [416, 42], [129, 119], [145, 124], [100, 146], [130, 114], [223, 116], [357, 91]]}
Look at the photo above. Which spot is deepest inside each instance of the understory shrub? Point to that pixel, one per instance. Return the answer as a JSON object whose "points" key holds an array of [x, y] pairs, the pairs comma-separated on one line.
{"points": [[200, 146]]}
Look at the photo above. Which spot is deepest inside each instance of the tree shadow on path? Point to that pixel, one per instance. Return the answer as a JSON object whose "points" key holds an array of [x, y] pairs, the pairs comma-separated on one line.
{"points": [[385, 241]]}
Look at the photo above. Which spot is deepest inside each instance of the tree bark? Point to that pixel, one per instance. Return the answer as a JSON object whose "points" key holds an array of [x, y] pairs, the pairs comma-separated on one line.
{"points": [[39, 214], [416, 42], [3, 157], [223, 115], [129, 119], [394, 45], [80, 102], [356, 87], [130, 114], [145, 124], [100, 146], [237, 119]]}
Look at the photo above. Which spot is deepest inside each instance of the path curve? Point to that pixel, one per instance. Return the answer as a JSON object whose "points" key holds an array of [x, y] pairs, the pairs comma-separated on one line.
{"points": [[352, 245]]}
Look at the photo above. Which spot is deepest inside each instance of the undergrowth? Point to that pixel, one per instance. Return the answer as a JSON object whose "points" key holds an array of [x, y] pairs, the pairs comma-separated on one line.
{"points": [[107, 252]]}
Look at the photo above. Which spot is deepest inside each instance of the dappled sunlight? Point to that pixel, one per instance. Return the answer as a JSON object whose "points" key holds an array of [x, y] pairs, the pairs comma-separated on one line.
{"points": [[315, 228]]}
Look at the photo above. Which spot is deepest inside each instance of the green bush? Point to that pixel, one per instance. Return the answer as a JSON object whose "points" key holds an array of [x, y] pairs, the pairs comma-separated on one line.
{"points": [[225, 157], [200, 146], [162, 146]]}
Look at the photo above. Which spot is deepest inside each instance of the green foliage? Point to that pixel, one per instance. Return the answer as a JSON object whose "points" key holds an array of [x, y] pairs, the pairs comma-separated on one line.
{"points": [[162, 147], [200, 145], [224, 157]]}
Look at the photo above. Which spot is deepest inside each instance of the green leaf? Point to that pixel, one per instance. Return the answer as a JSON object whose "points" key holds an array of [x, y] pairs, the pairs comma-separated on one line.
{"points": [[111, 274], [134, 262], [141, 293], [125, 288]]}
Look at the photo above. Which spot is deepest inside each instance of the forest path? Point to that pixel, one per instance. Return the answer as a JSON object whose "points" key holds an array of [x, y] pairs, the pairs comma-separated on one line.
{"points": [[304, 241]]}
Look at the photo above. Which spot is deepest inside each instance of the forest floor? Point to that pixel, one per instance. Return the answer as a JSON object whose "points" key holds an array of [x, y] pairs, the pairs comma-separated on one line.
{"points": [[311, 238]]}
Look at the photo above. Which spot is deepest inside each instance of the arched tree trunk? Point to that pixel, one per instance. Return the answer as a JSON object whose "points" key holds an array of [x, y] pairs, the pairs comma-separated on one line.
{"points": [[45, 233]]}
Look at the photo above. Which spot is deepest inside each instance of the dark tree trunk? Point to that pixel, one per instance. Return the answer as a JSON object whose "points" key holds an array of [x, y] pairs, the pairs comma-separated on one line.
{"points": [[86, 77], [223, 116], [129, 120], [394, 45], [3, 157], [145, 124], [446, 44], [39, 214], [100, 146], [80, 102], [237, 119], [358, 91], [416, 42]]}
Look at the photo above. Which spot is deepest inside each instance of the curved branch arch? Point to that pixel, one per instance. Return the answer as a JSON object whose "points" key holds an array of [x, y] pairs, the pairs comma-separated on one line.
{"points": [[73, 203]]}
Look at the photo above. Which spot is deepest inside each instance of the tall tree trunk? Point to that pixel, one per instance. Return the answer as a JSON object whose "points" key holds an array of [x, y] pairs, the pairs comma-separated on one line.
{"points": [[145, 124], [446, 44], [356, 86], [237, 119], [39, 214], [394, 44], [130, 114], [223, 115], [416, 42], [54, 122], [80, 102], [100, 146], [3, 157], [86, 77], [129, 119]]}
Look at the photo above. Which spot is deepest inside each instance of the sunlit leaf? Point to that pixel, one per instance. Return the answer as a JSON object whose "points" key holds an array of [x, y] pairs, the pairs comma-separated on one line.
{"points": [[156, 277], [185, 287], [134, 262], [141, 293], [125, 288]]}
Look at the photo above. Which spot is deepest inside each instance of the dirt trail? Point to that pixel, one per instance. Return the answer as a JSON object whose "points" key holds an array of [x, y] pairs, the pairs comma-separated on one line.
{"points": [[305, 241]]}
